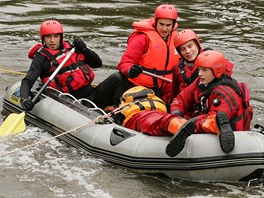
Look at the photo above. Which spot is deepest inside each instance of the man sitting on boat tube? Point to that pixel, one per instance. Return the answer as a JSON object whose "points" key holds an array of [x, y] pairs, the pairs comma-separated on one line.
{"points": [[76, 75], [216, 100]]}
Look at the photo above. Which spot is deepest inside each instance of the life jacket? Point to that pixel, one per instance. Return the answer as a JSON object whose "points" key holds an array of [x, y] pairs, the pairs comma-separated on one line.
{"points": [[242, 91], [74, 74], [138, 99], [160, 58], [187, 80]]}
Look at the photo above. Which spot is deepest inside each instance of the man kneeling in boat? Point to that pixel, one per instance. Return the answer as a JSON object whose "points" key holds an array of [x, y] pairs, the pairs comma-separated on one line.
{"points": [[214, 98]]}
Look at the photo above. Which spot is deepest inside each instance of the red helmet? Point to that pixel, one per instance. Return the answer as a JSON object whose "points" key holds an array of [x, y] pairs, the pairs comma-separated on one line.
{"points": [[166, 11], [50, 27], [212, 59], [185, 36]]}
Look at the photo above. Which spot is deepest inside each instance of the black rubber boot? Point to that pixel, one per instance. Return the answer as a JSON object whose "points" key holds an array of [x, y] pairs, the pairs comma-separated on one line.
{"points": [[226, 136], [178, 140]]}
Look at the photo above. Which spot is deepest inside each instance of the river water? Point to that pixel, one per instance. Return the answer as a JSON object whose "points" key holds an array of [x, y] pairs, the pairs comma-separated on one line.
{"points": [[54, 169]]}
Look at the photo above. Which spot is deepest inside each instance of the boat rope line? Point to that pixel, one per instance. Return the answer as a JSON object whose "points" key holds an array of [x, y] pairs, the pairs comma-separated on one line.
{"points": [[102, 119], [260, 181], [12, 72]]}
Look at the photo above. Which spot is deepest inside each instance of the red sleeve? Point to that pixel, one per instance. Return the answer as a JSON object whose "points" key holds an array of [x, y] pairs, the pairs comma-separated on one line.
{"points": [[166, 92], [185, 100], [136, 48], [175, 82]]}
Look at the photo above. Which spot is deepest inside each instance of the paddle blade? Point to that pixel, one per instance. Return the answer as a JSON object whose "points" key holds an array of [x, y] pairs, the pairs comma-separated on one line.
{"points": [[13, 124]]}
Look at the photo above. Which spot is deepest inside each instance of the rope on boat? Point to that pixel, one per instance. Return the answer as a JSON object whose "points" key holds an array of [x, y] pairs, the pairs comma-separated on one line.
{"points": [[102, 119], [75, 100], [12, 72], [260, 181]]}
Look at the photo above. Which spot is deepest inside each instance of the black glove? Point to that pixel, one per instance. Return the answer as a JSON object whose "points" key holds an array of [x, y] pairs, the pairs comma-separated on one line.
{"points": [[27, 104], [134, 71], [79, 44]]}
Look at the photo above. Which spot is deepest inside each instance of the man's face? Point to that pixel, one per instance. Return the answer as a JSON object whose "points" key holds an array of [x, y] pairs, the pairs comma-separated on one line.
{"points": [[206, 75], [164, 27], [52, 41], [189, 50]]}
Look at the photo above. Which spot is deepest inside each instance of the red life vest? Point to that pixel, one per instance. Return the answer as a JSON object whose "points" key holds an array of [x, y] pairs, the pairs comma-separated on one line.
{"points": [[75, 73], [160, 58]]}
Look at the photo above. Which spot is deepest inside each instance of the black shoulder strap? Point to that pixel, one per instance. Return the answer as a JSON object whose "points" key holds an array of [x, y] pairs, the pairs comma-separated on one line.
{"points": [[183, 73], [51, 57], [225, 80]]}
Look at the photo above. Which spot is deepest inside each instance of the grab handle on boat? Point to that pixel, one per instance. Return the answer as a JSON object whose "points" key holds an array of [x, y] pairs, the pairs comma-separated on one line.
{"points": [[118, 135]]}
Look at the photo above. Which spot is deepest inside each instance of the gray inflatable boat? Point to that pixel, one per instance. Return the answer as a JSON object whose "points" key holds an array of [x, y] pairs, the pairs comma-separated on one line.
{"points": [[201, 159]]}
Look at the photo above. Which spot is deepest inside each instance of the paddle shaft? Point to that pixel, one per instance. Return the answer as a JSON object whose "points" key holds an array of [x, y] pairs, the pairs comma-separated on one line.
{"points": [[157, 76], [14, 123], [53, 74]]}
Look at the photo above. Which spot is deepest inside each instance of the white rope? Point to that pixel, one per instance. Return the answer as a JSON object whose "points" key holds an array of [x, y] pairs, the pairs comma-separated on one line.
{"points": [[94, 121]]}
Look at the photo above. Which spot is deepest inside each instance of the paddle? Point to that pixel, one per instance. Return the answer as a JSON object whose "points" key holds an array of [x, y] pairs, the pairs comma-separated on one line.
{"points": [[15, 123], [157, 76]]}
